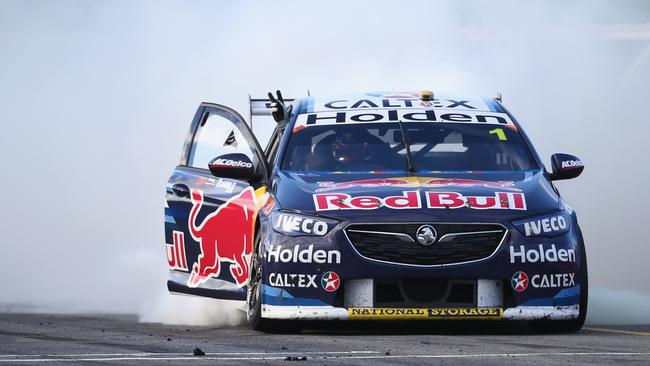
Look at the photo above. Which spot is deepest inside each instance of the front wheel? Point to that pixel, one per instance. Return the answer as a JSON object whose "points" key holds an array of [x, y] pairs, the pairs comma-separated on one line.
{"points": [[254, 300], [573, 325]]}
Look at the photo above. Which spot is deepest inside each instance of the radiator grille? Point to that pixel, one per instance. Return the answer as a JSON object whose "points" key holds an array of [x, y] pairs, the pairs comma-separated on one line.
{"points": [[397, 243]]}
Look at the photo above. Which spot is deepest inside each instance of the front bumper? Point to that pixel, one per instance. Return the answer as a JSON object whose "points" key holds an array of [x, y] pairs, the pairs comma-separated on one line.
{"points": [[294, 286], [335, 313], [358, 304]]}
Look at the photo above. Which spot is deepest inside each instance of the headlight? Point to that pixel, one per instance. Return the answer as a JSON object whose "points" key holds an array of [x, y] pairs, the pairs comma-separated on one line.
{"points": [[293, 224], [547, 225]]}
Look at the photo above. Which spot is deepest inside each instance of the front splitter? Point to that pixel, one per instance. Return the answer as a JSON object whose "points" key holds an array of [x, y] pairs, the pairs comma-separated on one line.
{"points": [[335, 313]]}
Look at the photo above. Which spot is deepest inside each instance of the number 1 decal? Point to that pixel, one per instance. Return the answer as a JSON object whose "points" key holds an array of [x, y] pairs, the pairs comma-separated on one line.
{"points": [[500, 134]]}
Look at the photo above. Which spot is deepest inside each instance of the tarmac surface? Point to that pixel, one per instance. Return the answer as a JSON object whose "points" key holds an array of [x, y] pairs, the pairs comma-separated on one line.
{"points": [[109, 339]]}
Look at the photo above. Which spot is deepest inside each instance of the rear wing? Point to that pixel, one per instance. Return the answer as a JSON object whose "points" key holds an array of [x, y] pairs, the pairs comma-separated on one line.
{"points": [[275, 106], [262, 107]]}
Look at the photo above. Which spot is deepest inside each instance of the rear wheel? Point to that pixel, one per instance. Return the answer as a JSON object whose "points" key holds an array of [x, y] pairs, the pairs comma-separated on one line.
{"points": [[573, 325], [254, 300]]}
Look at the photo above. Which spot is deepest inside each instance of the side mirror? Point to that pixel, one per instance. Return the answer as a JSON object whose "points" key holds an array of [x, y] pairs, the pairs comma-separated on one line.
{"points": [[565, 166], [235, 166]]}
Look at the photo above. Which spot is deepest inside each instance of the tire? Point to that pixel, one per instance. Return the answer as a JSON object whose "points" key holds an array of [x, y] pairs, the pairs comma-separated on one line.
{"points": [[573, 325], [254, 300]]}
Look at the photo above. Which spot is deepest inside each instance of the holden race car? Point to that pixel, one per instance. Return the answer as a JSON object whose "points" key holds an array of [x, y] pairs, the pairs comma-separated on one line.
{"points": [[386, 206]]}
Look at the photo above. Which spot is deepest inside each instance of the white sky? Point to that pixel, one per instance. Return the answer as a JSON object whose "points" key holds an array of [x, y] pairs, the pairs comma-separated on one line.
{"points": [[96, 98]]}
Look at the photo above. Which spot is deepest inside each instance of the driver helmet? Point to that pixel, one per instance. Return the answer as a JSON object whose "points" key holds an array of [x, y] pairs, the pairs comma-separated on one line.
{"points": [[349, 148]]}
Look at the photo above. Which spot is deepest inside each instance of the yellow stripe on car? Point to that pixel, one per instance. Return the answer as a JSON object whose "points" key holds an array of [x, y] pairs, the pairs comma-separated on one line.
{"points": [[424, 313]]}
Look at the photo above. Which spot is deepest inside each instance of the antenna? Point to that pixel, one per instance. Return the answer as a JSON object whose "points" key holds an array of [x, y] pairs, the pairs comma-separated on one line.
{"points": [[499, 97]]}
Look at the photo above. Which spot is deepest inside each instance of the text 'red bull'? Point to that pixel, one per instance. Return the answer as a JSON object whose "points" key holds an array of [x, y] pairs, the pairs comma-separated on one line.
{"points": [[226, 235], [412, 200]]}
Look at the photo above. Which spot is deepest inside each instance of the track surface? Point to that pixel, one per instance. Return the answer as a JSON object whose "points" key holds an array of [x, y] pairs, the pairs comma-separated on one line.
{"points": [[94, 339]]}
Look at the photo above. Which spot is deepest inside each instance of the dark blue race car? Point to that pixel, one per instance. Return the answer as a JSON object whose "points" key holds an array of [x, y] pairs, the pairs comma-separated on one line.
{"points": [[387, 206]]}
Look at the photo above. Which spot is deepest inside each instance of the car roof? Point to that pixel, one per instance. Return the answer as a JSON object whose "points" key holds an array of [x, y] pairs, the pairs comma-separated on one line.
{"points": [[391, 100], [386, 107]]}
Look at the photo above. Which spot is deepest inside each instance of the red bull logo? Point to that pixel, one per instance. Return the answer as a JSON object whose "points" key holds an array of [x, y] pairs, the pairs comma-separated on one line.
{"points": [[226, 235], [331, 186], [416, 182], [460, 182]]}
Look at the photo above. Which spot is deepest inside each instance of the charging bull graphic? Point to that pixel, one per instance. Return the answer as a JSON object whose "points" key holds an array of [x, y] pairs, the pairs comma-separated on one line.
{"points": [[414, 182], [225, 235]]}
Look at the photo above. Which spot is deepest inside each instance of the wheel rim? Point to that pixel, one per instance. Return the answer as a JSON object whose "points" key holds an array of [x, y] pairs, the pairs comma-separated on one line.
{"points": [[254, 289]]}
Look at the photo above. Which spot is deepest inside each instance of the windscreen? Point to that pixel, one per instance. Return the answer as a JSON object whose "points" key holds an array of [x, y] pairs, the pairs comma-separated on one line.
{"points": [[433, 147]]}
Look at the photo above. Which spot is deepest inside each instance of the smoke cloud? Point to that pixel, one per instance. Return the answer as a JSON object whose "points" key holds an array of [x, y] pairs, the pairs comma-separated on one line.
{"points": [[191, 310], [96, 97]]}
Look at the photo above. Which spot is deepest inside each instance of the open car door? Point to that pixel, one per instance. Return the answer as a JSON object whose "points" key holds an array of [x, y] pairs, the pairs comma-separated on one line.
{"points": [[212, 200]]}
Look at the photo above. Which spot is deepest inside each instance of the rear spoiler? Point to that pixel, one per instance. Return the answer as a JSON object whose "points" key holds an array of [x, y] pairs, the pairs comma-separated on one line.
{"points": [[276, 106], [262, 107]]}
